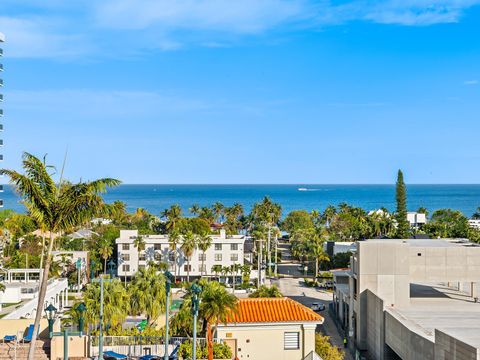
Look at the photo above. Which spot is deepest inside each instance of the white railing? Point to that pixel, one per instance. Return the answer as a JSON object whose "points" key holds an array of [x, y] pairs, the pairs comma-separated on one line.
{"points": [[28, 309]]}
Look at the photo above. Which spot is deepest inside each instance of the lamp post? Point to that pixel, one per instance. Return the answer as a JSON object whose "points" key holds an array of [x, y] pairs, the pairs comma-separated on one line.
{"points": [[196, 290], [92, 270], [78, 265], [100, 332], [81, 309], [111, 268], [51, 312], [168, 285]]}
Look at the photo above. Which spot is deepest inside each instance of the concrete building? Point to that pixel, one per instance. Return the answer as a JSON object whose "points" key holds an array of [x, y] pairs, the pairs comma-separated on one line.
{"points": [[412, 299], [2, 40], [224, 250], [270, 328]]}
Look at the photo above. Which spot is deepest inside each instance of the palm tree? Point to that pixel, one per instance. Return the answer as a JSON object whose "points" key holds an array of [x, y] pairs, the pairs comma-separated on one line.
{"points": [[56, 206], [328, 214], [139, 243], [207, 214], [234, 269], [218, 210], [173, 215], [195, 209], [204, 243], [266, 292], [173, 240], [105, 250], [30, 246], [147, 294], [315, 248], [217, 269], [225, 271], [216, 304], [188, 247]]}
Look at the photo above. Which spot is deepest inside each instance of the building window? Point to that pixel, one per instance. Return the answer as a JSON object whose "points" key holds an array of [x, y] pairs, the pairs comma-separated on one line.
{"points": [[125, 257], [141, 257], [171, 257], [291, 340], [125, 246], [233, 246], [218, 246], [158, 257], [233, 257], [202, 257], [140, 267], [157, 247], [125, 268], [187, 267], [203, 269], [218, 257]]}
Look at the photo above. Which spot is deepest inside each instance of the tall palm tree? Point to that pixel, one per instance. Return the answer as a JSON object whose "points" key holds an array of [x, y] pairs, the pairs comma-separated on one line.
{"points": [[218, 209], [105, 250], [266, 292], [216, 304], [139, 243], [204, 243], [315, 248], [234, 269], [188, 247], [173, 240], [173, 216], [207, 214], [195, 209], [216, 269], [56, 206], [147, 294]]}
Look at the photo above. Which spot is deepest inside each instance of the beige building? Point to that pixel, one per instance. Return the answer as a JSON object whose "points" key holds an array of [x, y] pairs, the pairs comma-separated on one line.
{"points": [[270, 328], [412, 299]]}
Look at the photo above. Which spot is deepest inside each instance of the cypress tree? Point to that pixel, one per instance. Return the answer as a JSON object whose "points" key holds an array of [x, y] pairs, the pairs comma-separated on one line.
{"points": [[403, 227]]}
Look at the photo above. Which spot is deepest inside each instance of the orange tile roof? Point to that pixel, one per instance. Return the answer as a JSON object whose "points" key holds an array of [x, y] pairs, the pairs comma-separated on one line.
{"points": [[259, 310]]}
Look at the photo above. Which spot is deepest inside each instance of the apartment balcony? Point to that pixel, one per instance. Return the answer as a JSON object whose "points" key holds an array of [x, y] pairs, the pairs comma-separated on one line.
{"points": [[1, 112], [1, 142], [1, 97], [1, 188], [1, 67], [1, 82], [1, 203], [1, 127]]}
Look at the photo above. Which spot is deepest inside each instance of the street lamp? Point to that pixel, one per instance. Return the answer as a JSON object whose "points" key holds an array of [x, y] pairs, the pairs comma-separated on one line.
{"points": [[51, 312], [196, 290], [168, 285], [81, 309], [92, 270], [111, 268]]}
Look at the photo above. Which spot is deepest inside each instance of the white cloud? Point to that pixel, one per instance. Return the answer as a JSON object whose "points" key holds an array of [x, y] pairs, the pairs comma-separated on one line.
{"points": [[471, 82], [36, 38], [243, 17], [71, 29]]}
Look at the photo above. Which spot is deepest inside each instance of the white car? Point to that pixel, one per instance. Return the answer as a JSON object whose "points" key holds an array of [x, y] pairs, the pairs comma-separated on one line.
{"points": [[317, 306]]}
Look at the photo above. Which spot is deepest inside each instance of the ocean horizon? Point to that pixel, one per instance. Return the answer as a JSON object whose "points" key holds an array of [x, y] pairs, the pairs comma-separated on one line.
{"points": [[157, 197]]}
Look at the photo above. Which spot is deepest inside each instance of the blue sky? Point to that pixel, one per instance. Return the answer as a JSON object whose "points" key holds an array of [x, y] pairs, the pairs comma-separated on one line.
{"points": [[251, 91]]}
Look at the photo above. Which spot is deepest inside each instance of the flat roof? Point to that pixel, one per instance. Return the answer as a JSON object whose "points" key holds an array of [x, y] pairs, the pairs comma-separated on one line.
{"points": [[440, 307], [429, 242]]}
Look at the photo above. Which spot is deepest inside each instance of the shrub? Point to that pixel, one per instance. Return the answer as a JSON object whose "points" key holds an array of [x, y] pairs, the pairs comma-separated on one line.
{"points": [[220, 351], [326, 350]]}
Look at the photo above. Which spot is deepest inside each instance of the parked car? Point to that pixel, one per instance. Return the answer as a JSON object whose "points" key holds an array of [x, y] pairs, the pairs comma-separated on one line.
{"points": [[317, 306]]}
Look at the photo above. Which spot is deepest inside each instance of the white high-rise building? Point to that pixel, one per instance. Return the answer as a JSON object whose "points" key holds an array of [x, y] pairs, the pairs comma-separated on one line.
{"points": [[225, 250]]}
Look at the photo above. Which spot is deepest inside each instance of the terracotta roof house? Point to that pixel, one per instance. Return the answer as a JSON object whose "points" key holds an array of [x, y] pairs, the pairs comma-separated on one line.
{"points": [[270, 328]]}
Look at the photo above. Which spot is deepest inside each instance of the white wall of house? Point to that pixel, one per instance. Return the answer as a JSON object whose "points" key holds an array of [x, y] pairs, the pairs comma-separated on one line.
{"points": [[225, 251]]}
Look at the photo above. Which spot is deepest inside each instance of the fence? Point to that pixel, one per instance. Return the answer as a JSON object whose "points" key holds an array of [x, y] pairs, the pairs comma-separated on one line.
{"points": [[139, 345]]}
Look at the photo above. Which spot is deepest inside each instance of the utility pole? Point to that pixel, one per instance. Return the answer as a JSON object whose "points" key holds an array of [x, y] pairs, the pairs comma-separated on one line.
{"points": [[168, 284], [269, 254], [100, 335], [196, 290], [259, 260]]}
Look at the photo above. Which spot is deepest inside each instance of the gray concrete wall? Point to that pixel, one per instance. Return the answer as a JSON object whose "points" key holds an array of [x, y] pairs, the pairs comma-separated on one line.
{"points": [[375, 326], [406, 343], [449, 348]]}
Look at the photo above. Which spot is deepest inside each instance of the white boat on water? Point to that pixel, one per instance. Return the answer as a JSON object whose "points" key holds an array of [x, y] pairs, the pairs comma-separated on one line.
{"points": [[302, 189]]}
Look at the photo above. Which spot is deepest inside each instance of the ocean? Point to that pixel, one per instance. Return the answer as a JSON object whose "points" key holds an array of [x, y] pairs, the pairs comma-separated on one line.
{"points": [[156, 198]]}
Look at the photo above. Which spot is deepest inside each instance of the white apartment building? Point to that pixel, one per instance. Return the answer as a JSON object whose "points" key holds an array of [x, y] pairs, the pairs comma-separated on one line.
{"points": [[225, 251], [416, 219]]}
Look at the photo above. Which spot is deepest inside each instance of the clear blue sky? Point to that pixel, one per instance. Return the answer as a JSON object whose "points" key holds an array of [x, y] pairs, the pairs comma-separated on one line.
{"points": [[250, 91]]}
